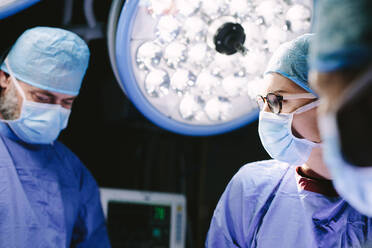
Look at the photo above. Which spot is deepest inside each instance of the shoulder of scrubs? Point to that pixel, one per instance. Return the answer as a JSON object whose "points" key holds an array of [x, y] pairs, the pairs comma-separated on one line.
{"points": [[90, 228], [7, 132], [248, 192]]}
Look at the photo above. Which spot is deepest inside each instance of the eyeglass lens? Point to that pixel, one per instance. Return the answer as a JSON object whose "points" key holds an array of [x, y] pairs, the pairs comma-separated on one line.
{"points": [[273, 103]]}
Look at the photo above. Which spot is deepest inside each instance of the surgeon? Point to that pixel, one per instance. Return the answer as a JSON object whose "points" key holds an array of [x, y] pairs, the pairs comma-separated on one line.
{"points": [[47, 196], [341, 73], [288, 201]]}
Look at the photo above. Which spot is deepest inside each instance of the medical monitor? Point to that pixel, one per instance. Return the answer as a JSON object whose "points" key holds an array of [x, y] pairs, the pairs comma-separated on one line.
{"points": [[144, 219]]}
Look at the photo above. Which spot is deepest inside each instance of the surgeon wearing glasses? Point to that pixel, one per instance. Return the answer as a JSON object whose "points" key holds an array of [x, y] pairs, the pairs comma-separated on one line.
{"points": [[288, 201]]}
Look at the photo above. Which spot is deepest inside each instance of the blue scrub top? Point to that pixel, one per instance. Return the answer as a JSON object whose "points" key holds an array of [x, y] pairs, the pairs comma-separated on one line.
{"points": [[47, 197], [263, 207]]}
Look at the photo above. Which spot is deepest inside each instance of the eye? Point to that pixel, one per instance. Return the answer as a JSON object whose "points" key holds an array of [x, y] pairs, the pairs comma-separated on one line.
{"points": [[67, 103], [39, 97]]}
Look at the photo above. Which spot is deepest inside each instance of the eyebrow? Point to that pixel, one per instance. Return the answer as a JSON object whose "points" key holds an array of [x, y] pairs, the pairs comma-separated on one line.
{"points": [[42, 92], [70, 98], [51, 95], [280, 91]]}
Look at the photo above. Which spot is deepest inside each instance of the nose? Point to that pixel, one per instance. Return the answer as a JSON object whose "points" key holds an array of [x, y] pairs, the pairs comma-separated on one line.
{"points": [[266, 107], [262, 104]]}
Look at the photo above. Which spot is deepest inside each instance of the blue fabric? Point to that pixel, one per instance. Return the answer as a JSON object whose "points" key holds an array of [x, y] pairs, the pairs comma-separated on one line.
{"points": [[344, 35], [354, 183], [47, 197], [290, 60], [263, 207], [49, 58]]}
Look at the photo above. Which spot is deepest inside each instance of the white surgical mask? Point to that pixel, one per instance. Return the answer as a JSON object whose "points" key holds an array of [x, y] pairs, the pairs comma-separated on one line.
{"points": [[353, 183], [276, 135], [39, 123]]}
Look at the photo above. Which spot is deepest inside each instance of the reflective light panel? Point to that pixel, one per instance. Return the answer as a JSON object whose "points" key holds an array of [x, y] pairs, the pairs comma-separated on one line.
{"points": [[11, 7], [194, 67]]}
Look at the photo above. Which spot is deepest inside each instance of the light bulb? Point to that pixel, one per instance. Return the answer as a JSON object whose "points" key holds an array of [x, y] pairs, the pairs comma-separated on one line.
{"points": [[157, 83], [218, 108], [233, 85], [191, 107], [214, 8], [194, 28], [148, 55], [159, 7], [187, 7], [174, 54], [275, 36], [167, 29], [206, 82], [181, 80], [269, 10], [299, 17]]}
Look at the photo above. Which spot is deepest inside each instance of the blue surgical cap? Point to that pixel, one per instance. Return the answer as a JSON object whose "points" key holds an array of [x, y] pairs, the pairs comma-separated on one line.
{"points": [[290, 60], [49, 58], [344, 35]]}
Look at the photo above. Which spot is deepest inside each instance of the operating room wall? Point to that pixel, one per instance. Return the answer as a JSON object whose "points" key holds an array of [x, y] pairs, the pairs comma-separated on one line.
{"points": [[124, 150]]}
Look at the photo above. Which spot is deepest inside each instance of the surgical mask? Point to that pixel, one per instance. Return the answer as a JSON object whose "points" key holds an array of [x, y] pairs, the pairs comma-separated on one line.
{"points": [[353, 183], [38, 123], [276, 135]]}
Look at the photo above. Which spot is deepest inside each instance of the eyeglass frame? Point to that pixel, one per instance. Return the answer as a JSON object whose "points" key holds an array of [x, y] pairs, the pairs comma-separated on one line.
{"points": [[280, 99]]}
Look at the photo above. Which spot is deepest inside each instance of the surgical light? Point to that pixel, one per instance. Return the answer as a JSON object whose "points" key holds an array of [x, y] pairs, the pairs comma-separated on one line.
{"points": [[194, 67], [11, 7]]}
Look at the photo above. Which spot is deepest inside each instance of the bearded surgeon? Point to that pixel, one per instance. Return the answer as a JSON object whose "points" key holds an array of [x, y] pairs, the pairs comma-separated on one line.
{"points": [[48, 198]]}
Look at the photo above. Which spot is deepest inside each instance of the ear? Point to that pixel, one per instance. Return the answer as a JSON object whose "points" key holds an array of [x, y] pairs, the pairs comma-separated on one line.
{"points": [[4, 80]]}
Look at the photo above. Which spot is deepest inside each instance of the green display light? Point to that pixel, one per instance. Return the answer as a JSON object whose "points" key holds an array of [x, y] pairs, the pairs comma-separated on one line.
{"points": [[156, 233], [159, 213]]}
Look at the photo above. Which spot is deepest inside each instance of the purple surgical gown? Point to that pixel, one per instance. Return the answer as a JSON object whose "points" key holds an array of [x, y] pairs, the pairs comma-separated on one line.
{"points": [[264, 207], [48, 199]]}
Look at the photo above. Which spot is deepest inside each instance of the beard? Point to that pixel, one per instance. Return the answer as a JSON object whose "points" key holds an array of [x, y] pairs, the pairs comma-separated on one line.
{"points": [[9, 104]]}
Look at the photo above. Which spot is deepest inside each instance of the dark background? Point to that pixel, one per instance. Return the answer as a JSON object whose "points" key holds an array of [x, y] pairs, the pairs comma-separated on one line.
{"points": [[121, 148]]}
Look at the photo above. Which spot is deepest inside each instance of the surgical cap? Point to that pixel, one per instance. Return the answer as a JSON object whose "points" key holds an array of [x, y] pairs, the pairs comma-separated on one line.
{"points": [[49, 58], [290, 60], [344, 35]]}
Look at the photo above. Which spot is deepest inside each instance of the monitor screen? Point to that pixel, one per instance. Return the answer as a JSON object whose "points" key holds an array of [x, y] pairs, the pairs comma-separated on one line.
{"points": [[143, 219], [138, 225]]}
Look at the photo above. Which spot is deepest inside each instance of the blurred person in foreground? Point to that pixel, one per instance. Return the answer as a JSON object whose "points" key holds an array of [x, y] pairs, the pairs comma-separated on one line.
{"points": [[341, 73]]}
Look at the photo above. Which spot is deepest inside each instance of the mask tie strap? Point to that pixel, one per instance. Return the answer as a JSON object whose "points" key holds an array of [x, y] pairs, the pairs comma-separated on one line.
{"points": [[307, 107], [19, 88]]}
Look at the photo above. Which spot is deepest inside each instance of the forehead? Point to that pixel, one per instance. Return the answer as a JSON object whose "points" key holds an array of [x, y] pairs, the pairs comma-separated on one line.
{"points": [[275, 82], [29, 87]]}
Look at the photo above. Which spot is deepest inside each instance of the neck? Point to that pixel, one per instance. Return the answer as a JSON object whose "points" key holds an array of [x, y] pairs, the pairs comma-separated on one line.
{"points": [[315, 167]]}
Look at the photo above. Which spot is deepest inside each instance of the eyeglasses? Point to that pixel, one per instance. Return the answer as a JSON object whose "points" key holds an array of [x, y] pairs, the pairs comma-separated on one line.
{"points": [[274, 101]]}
